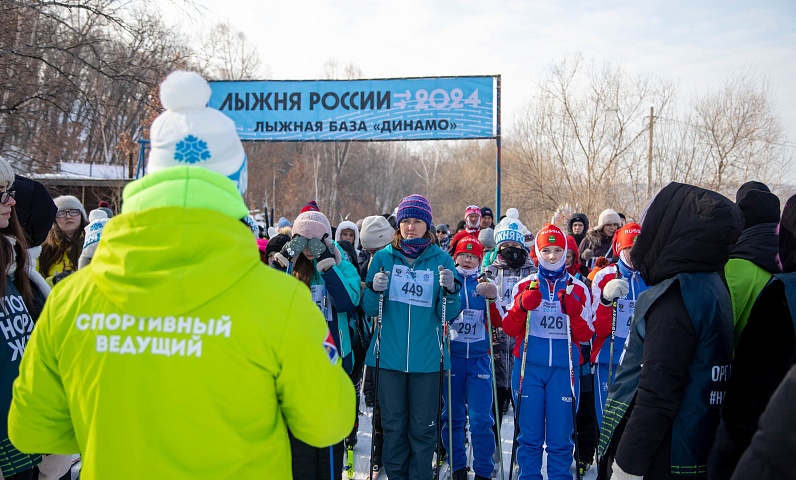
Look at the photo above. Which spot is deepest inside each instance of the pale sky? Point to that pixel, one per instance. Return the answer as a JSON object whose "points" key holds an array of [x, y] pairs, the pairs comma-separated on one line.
{"points": [[696, 43]]}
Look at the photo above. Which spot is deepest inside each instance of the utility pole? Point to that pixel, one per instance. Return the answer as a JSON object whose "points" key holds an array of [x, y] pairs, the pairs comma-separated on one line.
{"points": [[649, 156]]}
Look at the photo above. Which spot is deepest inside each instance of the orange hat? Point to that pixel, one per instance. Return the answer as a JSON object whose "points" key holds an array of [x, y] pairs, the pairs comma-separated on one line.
{"points": [[626, 236], [469, 245]]}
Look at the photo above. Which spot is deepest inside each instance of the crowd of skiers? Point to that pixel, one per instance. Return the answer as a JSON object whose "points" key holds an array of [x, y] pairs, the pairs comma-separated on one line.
{"points": [[655, 349]]}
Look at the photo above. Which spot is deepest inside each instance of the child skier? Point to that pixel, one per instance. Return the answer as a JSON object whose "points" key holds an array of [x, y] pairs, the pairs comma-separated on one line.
{"points": [[548, 301], [511, 264], [614, 290], [471, 367]]}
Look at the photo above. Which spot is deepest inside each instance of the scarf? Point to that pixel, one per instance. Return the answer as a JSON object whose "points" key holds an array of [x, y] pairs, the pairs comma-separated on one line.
{"points": [[414, 247]]}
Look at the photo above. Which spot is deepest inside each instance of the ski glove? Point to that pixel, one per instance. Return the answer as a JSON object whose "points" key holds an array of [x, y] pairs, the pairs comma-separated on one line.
{"points": [[380, 281], [326, 259], [487, 290], [620, 474], [616, 288], [530, 299], [587, 254], [446, 279]]}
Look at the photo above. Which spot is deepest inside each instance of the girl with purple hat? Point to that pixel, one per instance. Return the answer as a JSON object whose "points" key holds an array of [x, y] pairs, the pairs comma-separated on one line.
{"points": [[415, 277]]}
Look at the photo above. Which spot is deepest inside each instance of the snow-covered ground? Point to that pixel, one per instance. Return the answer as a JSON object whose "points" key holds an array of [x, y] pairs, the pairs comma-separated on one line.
{"points": [[362, 449]]}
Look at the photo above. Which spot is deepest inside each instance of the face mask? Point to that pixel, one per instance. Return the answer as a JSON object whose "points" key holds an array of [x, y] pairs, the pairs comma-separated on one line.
{"points": [[467, 273], [513, 256]]}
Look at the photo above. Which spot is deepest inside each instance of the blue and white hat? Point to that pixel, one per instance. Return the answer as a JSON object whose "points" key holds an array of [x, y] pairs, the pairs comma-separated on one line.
{"points": [[510, 229], [190, 133]]}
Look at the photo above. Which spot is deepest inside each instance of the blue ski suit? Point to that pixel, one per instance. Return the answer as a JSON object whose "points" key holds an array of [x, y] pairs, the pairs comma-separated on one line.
{"points": [[603, 324], [545, 413], [471, 381]]}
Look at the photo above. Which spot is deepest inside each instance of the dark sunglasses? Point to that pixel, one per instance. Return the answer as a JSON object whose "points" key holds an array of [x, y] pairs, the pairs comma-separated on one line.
{"points": [[63, 213], [4, 196]]}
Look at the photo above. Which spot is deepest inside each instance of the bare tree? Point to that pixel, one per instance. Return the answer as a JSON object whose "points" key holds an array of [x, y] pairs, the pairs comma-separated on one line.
{"points": [[226, 54]]}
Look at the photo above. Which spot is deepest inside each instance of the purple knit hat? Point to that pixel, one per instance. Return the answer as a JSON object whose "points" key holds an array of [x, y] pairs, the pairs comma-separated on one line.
{"points": [[414, 206]]}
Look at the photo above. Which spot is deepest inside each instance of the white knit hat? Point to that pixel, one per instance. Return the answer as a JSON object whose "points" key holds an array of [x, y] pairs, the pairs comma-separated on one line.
{"points": [[6, 172], [607, 217], [376, 232], [190, 133], [510, 229], [68, 202]]}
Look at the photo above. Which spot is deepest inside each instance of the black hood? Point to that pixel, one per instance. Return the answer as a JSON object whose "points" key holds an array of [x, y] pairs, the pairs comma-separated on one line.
{"points": [[686, 229], [760, 245], [582, 218]]}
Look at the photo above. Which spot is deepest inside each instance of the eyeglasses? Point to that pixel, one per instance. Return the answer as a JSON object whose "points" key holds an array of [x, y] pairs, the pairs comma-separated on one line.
{"points": [[63, 213], [4, 196]]}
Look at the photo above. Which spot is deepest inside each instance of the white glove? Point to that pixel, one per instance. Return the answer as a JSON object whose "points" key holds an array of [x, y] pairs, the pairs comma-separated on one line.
{"points": [[445, 278], [487, 290], [616, 288], [380, 281], [620, 474], [587, 254]]}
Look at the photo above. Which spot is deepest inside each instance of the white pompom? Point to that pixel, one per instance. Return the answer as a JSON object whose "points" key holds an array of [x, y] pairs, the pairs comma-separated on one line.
{"points": [[184, 90], [512, 213], [97, 214]]}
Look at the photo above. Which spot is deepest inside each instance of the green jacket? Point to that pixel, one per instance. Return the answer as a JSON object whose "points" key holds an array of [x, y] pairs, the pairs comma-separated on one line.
{"points": [[745, 280], [177, 352]]}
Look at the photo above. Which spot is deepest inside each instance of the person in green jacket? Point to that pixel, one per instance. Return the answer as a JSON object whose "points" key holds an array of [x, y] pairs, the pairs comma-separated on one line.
{"points": [[316, 261], [753, 259], [416, 277], [176, 353]]}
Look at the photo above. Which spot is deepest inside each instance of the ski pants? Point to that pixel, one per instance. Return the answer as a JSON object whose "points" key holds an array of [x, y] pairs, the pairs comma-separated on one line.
{"points": [[471, 388], [409, 409], [317, 463], [601, 389], [545, 418]]}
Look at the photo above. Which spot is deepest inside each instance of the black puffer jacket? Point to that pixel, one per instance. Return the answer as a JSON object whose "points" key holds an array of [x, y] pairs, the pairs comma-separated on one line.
{"points": [[686, 230]]}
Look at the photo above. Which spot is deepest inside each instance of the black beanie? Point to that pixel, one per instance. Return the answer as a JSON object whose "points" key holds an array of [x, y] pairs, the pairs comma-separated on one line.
{"points": [[787, 236], [276, 243], [758, 207], [748, 186], [35, 209]]}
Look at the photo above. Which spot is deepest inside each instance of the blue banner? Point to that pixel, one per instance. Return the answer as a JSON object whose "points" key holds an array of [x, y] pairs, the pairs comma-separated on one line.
{"points": [[336, 110]]}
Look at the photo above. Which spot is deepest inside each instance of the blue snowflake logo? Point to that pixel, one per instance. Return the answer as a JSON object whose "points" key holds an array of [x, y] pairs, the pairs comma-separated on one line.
{"points": [[191, 150], [513, 226]]}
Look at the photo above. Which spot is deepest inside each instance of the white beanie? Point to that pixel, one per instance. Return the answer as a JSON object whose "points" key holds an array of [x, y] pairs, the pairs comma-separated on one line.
{"points": [[510, 229], [68, 202], [347, 225], [376, 232], [190, 133], [607, 216], [6, 172]]}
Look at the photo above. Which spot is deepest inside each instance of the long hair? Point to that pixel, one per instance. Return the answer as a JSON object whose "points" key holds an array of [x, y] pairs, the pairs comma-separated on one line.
{"points": [[57, 243], [303, 269], [396, 238], [7, 254]]}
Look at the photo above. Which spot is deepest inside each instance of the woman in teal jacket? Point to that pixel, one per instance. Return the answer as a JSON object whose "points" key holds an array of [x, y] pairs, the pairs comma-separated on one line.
{"points": [[313, 258], [412, 273]]}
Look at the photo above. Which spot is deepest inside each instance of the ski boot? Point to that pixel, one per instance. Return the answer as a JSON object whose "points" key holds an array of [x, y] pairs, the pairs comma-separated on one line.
{"points": [[349, 460], [583, 467]]}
